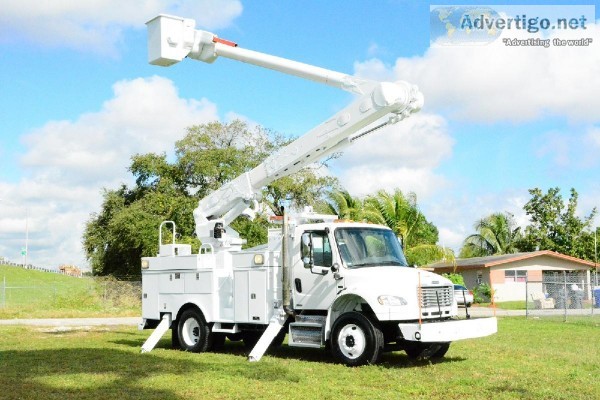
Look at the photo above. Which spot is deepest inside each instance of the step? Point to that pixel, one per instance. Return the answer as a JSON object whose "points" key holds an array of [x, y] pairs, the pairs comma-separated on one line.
{"points": [[307, 331], [307, 318]]}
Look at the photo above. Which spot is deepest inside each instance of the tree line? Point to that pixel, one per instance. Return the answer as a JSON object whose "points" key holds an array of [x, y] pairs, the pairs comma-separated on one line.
{"points": [[210, 155], [554, 225]]}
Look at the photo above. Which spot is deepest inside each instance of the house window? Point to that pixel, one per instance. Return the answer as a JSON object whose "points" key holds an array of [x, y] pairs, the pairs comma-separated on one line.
{"points": [[479, 277], [515, 276]]}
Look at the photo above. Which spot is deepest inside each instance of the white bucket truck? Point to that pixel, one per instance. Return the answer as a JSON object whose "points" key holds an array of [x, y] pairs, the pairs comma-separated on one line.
{"points": [[343, 285]]}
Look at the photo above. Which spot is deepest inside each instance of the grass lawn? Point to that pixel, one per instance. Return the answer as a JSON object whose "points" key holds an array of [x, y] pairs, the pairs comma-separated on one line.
{"points": [[37, 294], [527, 359]]}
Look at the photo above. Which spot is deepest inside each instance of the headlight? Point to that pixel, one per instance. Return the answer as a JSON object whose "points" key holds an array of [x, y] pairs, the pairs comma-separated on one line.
{"points": [[386, 300]]}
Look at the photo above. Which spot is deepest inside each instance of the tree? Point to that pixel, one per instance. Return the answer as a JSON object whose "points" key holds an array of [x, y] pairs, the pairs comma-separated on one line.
{"points": [[342, 204], [457, 279], [496, 234], [400, 213], [210, 155], [555, 225]]}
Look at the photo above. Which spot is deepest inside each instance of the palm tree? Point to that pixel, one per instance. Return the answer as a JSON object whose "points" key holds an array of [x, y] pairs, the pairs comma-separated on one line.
{"points": [[400, 213], [496, 234], [345, 206]]}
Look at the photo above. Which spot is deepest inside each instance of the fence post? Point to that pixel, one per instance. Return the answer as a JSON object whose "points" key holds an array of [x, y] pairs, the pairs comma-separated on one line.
{"points": [[526, 297], [565, 294], [4, 292], [594, 285]]}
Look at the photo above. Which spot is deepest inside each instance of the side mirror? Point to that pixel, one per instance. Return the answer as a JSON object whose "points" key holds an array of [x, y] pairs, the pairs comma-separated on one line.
{"points": [[307, 250]]}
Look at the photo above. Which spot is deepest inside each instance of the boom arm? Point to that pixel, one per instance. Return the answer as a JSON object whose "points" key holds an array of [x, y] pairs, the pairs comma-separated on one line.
{"points": [[171, 39]]}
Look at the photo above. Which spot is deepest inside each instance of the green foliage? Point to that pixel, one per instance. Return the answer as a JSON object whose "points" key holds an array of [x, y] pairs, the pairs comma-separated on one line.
{"points": [[401, 214], [210, 155], [344, 205], [423, 254], [455, 278], [255, 232], [496, 234], [482, 293], [555, 225]]}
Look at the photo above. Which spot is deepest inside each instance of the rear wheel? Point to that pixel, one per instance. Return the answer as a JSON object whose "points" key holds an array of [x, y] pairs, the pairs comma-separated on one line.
{"points": [[355, 340], [193, 331]]}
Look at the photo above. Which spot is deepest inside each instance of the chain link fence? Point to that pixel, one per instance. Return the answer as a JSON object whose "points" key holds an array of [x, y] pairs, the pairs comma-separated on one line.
{"points": [[563, 294], [88, 293]]}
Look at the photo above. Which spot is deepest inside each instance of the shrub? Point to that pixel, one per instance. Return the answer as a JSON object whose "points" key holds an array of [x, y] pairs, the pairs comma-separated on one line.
{"points": [[482, 293]]}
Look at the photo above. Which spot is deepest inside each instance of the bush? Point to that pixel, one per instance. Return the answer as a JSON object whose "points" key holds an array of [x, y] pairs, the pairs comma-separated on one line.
{"points": [[482, 293]]}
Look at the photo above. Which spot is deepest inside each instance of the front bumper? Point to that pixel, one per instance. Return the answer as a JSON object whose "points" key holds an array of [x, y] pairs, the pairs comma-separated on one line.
{"points": [[450, 330]]}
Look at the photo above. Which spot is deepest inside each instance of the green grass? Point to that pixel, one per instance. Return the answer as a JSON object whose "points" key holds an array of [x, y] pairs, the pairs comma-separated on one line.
{"points": [[527, 359], [37, 294], [514, 305]]}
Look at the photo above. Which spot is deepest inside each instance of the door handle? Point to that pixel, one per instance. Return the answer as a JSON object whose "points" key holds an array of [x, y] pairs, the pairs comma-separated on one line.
{"points": [[298, 284]]}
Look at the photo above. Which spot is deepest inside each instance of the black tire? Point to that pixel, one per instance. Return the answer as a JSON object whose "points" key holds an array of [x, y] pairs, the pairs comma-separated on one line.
{"points": [[417, 350], [413, 349], [442, 350], [175, 335], [355, 340], [193, 331]]}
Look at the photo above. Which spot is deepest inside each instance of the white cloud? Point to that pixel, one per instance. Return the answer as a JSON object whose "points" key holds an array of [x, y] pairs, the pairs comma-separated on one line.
{"points": [[402, 156], [68, 162], [454, 214], [592, 137], [570, 150], [557, 146], [98, 25], [495, 82]]}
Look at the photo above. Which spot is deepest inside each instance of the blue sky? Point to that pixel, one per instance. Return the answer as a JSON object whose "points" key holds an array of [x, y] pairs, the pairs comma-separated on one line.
{"points": [[78, 99]]}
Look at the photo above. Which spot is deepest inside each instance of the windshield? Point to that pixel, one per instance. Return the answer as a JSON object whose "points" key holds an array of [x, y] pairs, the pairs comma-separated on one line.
{"points": [[369, 247]]}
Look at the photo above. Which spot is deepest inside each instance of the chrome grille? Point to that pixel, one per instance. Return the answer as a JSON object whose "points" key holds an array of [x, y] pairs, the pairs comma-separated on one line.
{"points": [[429, 296]]}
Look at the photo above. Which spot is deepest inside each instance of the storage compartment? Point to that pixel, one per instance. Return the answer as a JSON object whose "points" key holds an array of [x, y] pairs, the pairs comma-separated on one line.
{"points": [[250, 296]]}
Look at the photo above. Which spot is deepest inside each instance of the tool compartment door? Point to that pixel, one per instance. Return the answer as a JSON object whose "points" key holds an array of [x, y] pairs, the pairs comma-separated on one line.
{"points": [[250, 295]]}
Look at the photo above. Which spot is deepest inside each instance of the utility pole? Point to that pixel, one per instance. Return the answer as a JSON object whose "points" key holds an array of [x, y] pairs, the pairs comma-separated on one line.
{"points": [[596, 253], [26, 235]]}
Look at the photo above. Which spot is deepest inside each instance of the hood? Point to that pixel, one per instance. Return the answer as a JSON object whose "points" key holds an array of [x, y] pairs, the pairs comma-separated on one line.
{"points": [[392, 278]]}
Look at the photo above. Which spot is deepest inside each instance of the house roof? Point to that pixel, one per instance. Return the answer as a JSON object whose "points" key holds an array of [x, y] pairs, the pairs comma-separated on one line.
{"points": [[490, 261]]}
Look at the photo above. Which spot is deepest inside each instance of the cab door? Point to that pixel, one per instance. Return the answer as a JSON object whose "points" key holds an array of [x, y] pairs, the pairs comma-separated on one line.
{"points": [[313, 284]]}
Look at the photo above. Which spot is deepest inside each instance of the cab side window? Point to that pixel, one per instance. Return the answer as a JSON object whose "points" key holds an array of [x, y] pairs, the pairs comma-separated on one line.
{"points": [[319, 247]]}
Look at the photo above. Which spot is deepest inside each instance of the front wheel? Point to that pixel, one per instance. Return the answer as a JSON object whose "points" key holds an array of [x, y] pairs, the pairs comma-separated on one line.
{"points": [[193, 331], [355, 340]]}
